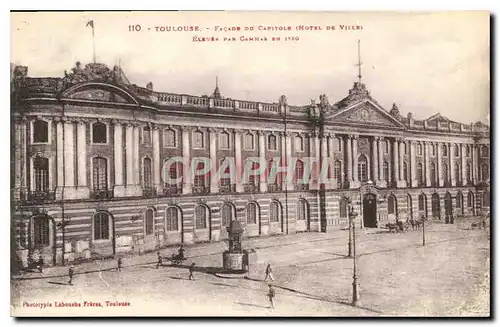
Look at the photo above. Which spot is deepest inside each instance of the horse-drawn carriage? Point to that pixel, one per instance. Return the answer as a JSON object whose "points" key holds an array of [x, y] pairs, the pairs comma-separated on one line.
{"points": [[404, 226]]}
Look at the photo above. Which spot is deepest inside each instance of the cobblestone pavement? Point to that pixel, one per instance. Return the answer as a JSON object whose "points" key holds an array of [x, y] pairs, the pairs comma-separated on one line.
{"points": [[397, 276]]}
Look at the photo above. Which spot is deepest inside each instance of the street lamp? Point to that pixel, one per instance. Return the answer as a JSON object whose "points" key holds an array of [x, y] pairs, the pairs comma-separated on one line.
{"points": [[423, 230], [349, 244], [355, 293]]}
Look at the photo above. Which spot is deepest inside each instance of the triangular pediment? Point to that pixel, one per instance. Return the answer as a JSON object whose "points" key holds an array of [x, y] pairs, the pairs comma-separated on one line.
{"points": [[438, 118], [365, 113], [101, 92]]}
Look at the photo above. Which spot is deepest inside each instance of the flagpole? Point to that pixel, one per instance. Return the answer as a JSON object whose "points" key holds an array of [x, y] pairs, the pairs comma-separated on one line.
{"points": [[93, 42]]}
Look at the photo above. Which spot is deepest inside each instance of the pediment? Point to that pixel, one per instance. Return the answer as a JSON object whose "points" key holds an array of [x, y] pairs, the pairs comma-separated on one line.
{"points": [[366, 113], [98, 95], [101, 92]]}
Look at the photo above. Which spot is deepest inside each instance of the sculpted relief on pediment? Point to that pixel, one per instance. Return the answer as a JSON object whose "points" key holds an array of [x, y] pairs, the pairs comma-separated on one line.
{"points": [[97, 95], [365, 114]]}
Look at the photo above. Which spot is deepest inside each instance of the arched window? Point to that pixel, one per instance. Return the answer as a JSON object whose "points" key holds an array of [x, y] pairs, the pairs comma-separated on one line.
{"points": [[419, 149], [459, 200], [468, 173], [420, 174], [41, 172], [40, 131], [405, 172], [146, 134], [484, 151], [198, 140], [343, 208], [455, 150], [226, 180], [174, 172], [199, 180], [446, 176], [100, 173], [149, 221], [486, 199], [337, 172], [101, 226], [445, 150], [201, 217], [271, 142], [169, 138], [299, 143], [41, 230], [363, 169], [485, 173], [457, 172], [436, 206], [224, 140], [226, 214], [421, 202], [274, 212], [470, 199], [391, 205], [252, 177], [147, 172], [386, 171], [301, 210], [173, 219], [433, 174], [273, 166], [251, 213], [248, 141], [299, 171], [99, 133]]}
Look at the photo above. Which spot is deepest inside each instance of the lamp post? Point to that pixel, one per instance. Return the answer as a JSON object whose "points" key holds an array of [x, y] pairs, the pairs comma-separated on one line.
{"points": [[423, 230], [349, 244], [355, 292]]}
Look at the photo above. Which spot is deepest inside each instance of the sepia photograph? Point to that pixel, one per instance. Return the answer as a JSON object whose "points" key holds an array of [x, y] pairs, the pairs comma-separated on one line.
{"points": [[250, 164]]}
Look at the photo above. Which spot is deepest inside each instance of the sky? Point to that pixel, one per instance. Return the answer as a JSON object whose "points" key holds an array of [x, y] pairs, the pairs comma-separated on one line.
{"points": [[424, 62]]}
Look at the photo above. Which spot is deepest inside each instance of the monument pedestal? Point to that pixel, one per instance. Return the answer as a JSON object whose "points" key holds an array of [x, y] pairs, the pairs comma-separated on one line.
{"points": [[233, 261]]}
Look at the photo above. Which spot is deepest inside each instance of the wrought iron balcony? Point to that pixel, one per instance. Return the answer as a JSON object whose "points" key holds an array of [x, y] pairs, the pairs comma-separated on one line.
{"points": [[171, 190], [274, 187], [201, 190], [250, 188], [227, 188], [101, 194], [40, 196], [301, 187], [149, 192]]}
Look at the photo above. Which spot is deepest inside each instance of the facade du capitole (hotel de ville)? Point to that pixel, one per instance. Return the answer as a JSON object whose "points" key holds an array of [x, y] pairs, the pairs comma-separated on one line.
{"points": [[89, 149]]}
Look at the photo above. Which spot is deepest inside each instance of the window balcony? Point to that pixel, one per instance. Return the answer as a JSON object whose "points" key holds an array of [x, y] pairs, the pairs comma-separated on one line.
{"points": [[101, 194], [301, 187], [250, 188], [40, 196], [148, 192], [227, 188], [171, 190], [274, 187], [201, 190]]}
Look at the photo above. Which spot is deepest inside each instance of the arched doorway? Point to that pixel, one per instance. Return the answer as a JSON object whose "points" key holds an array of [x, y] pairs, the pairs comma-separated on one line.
{"points": [[370, 210], [303, 221], [436, 206], [422, 205], [409, 206], [448, 207], [103, 234], [460, 203], [228, 214], [42, 240]]}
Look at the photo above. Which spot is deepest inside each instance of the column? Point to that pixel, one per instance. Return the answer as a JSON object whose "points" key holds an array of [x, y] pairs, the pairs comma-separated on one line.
{"points": [[214, 185], [402, 181], [427, 165], [475, 163], [262, 160], [119, 188], [186, 155], [24, 154], [69, 161], [314, 145], [439, 165], [137, 159], [81, 145], [464, 165], [413, 164], [395, 166], [348, 167], [157, 184], [451, 156], [382, 177], [59, 156], [237, 155], [17, 158], [334, 184], [129, 151], [288, 155], [375, 173], [355, 161], [323, 162]]}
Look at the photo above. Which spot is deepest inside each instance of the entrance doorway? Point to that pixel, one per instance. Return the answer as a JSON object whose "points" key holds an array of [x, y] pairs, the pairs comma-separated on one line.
{"points": [[436, 208], [448, 205], [370, 210]]}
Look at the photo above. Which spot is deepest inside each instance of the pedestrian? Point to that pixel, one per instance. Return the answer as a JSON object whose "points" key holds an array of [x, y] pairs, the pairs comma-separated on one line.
{"points": [[70, 274], [40, 264], [270, 295], [181, 252], [160, 261], [269, 273], [191, 269], [119, 264]]}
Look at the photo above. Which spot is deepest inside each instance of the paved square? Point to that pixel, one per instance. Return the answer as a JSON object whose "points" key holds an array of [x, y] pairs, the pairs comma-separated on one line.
{"points": [[397, 276]]}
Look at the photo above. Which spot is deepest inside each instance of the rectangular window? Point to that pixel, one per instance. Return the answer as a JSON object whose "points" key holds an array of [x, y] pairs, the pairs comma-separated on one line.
{"points": [[169, 138]]}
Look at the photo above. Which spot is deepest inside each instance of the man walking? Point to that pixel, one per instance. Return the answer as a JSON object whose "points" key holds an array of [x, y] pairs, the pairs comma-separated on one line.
{"points": [[271, 295], [191, 269], [70, 274], [119, 265], [269, 273], [160, 261], [40, 264]]}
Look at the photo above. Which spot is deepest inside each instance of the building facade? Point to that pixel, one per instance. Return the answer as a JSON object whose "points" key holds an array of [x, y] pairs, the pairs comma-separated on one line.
{"points": [[89, 151]]}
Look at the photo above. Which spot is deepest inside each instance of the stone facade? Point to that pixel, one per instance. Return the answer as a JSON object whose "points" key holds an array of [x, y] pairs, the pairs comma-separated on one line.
{"points": [[93, 185]]}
